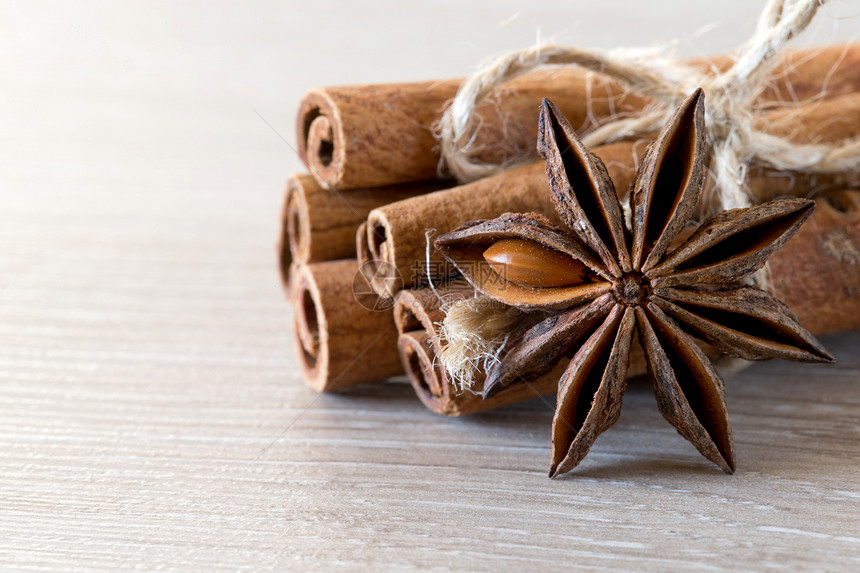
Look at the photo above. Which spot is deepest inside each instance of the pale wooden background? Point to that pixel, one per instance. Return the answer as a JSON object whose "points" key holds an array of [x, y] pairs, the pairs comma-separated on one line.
{"points": [[151, 414]]}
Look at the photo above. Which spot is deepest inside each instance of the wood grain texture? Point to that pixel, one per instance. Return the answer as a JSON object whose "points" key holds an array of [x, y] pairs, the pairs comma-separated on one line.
{"points": [[151, 411]]}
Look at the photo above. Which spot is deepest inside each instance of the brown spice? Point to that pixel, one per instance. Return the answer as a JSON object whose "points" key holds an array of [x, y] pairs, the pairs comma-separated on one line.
{"points": [[632, 288], [820, 280]]}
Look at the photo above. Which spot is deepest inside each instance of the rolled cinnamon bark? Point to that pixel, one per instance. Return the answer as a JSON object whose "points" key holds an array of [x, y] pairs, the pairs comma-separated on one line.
{"points": [[396, 234], [369, 136], [340, 341], [817, 274], [319, 224]]}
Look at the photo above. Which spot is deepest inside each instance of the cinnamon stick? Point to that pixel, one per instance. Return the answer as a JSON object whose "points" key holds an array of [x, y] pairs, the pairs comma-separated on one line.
{"points": [[341, 340], [817, 274], [369, 136], [396, 233], [319, 224]]}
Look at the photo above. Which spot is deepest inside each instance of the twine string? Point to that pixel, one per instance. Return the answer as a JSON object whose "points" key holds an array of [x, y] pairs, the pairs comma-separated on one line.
{"points": [[730, 96]]}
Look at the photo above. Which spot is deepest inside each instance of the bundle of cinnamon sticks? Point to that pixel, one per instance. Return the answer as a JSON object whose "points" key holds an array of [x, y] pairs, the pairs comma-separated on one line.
{"points": [[367, 287]]}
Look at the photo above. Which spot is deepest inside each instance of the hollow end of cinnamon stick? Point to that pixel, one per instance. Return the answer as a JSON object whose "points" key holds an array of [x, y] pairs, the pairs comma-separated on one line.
{"points": [[379, 241], [284, 250], [422, 369], [320, 224], [341, 341], [374, 252], [362, 248], [312, 350], [294, 243], [378, 237], [320, 137]]}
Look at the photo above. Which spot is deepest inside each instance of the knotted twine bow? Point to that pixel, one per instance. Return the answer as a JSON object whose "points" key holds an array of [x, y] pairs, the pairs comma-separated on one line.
{"points": [[730, 95], [474, 330]]}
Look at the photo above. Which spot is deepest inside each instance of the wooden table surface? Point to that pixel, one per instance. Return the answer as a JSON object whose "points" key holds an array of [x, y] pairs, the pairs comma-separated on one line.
{"points": [[151, 411]]}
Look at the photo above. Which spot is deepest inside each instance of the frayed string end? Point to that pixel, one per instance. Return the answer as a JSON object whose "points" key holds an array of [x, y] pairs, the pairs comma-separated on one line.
{"points": [[474, 333]]}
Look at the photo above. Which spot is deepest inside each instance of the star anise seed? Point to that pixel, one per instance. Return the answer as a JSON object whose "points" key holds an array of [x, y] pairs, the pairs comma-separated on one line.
{"points": [[634, 281]]}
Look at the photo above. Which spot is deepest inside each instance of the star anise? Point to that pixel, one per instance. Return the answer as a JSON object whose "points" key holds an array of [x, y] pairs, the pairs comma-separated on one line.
{"points": [[598, 282]]}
